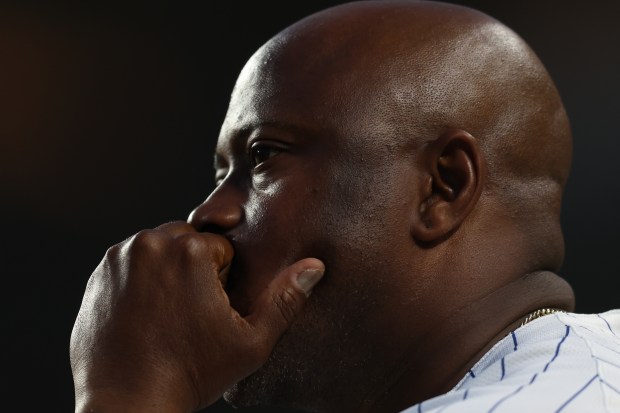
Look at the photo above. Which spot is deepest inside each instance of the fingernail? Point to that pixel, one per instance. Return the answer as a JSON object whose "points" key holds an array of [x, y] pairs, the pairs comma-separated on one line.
{"points": [[307, 279]]}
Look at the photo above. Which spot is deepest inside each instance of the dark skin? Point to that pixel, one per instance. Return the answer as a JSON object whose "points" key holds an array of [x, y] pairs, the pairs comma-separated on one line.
{"points": [[425, 178]]}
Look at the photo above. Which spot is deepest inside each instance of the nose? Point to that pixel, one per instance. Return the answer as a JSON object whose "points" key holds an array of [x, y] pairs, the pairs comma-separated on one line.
{"points": [[220, 212]]}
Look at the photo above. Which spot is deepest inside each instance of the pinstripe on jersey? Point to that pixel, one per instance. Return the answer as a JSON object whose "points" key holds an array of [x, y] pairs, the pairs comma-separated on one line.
{"points": [[559, 363]]}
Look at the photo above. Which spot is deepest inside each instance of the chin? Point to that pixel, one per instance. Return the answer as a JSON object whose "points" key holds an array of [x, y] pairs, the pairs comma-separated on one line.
{"points": [[283, 381], [316, 361], [296, 374]]}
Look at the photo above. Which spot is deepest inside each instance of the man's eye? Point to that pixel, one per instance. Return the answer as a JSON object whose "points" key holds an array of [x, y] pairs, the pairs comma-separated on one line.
{"points": [[261, 153]]}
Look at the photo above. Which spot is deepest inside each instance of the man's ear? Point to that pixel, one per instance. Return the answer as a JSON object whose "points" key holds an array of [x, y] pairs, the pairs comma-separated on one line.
{"points": [[454, 173]]}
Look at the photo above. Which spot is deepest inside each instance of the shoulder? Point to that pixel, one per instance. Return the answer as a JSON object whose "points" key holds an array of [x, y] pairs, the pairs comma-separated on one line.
{"points": [[559, 363], [605, 324]]}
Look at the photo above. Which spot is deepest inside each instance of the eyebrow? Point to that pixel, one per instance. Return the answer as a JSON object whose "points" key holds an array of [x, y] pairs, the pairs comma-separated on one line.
{"points": [[240, 136]]}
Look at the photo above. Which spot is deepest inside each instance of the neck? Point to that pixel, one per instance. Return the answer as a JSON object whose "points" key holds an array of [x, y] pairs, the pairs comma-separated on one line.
{"points": [[438, 361]]}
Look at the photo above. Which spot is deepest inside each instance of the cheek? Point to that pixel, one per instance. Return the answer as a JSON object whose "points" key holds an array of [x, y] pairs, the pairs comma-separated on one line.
{"points": [[280, 228], [279, 222], [367, 226]]}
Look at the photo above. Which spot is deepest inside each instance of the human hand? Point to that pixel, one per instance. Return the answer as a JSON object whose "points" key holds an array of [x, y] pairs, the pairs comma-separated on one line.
{"points": [[156, 331]]}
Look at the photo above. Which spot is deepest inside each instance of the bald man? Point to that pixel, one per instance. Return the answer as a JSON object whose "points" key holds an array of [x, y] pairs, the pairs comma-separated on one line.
{"points": [[384, 235]]}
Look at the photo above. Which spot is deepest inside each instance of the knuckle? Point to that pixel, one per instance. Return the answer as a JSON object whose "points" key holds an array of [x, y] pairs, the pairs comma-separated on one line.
{"points": [[113, 252], [213, 247], [181, 225], [287, 301], [220, 249], [147, 240], [109, 262], [190, 244]]}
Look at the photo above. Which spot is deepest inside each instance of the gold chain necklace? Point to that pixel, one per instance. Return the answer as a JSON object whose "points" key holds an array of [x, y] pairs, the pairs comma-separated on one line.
{"points": [[539, 313]]}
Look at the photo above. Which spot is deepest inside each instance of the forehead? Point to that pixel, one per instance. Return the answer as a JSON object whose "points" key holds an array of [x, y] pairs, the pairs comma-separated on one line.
{"points": [[307, 84], [275, 89]]}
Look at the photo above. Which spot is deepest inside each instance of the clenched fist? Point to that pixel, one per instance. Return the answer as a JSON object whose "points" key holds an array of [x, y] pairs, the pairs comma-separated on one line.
{"points": [[156, 332]]}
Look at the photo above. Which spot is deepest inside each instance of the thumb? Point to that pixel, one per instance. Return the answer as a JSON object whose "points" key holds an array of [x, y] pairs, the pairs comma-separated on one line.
{"points": [[284, 299]]}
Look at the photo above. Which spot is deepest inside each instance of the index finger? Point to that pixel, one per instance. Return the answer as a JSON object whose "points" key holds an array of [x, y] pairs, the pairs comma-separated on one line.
{"points": [[176, 228]]}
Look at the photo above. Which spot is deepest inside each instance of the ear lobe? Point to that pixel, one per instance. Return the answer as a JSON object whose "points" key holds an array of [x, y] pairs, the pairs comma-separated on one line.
{"points": [[454, 173]]}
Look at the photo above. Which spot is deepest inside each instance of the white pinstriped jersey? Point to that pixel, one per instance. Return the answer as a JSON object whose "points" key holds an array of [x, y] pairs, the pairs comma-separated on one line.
{"points": [[559, 363]]}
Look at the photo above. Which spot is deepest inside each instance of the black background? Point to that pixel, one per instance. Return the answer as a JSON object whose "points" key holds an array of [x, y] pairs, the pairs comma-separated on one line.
{"points": [[109, 114]]}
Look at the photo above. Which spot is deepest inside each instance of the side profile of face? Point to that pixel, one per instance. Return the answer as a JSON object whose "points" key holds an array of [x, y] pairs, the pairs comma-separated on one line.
{"points": [[332, 148], [303, 170]]}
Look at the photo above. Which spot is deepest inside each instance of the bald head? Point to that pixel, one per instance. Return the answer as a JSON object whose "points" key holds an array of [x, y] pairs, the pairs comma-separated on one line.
{"points": [[416, 68], [405, 142], [429, 65]]}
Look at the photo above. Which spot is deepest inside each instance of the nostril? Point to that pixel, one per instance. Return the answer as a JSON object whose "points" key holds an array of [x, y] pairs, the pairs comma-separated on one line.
{"points": [[204, 224], [212, 228]]}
